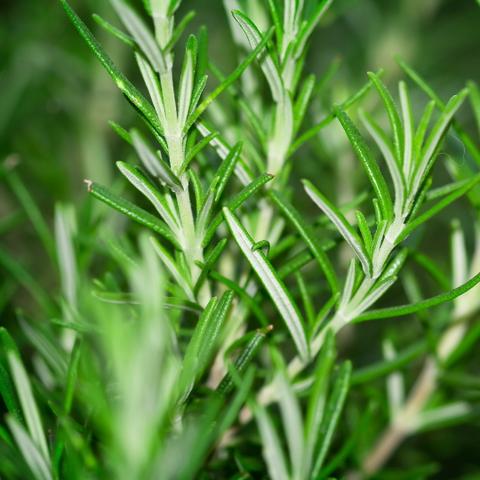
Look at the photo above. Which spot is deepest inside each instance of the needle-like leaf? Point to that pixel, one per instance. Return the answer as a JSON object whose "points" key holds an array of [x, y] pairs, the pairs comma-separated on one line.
{"points": [[332, 415], [34, 457], [135, 97], [431, 302], [25, 394], [374, 174], [308, 235], [173, 268], [135, 213], [342, 225], [266, 62], [274, 286], [397, 129], [186, 81], [208, 264], [141, 34], [147, 188]]}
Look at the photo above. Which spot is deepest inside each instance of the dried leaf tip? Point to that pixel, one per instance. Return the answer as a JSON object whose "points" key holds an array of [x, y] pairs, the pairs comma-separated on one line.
{"points": [[89, 185], [269, 328]]}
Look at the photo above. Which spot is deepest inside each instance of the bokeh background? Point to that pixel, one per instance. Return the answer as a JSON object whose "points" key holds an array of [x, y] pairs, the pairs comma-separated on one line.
{"points": [[56, 100]]}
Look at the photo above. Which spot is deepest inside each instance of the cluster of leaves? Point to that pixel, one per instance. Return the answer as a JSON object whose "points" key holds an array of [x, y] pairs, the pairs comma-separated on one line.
{"points": [[154, 366]]}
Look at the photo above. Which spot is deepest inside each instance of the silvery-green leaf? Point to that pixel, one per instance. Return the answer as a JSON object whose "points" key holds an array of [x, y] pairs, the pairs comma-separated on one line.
{"points": [[25, 394], [268, 66], [153, 163], [144, 186], [272, 449], [172, 267], [432, 142], [274, 286], [32, 455], [186, 81], [292, 424], [310, 26], [377, 291], [349, 283], [342, 225], [141, 34], [153, 86], [408, 129], [387, 151]]}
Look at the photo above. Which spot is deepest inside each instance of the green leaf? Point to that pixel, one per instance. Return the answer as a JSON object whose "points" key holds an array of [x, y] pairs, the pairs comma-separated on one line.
{"points": [[407, 128], [277, 20], [307, 301], [242, 170], [72, 374], [135, 97], [226, 168], [274, 286], [202, 54], [244, 105], [292, 424], [387, 151], [195, 150], [475, 100], [179, 30], [237, 72], [197, 93], [25, 394], [243, 360], [431, 302], [267, 64], [242, 293], [397, 129], [435, 137], [272, 449], [332, 414], [302, 102], [349, 284], [310, 26], [342, 225], [153, 86], [190, 362], [322, 314], [211, 335], [173, 268], [308, 235], [235, 202], [378, 290], [431, 267], [50, 351], [369, 163], [153, 163], [421, 130], [30, 207], [141, 34], [197, 186], [208, 264], [34, 457], [23, 277], [147, 188], [186, 81], [121, 131], [7, 389], [438, 207], [135, 213], [123, 37], [318, 399], [365, 232], [429, 91], [206, 209]]}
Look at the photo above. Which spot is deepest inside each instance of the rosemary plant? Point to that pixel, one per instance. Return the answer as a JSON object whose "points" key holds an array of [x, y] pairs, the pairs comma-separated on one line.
{"points": [[157, 352]]}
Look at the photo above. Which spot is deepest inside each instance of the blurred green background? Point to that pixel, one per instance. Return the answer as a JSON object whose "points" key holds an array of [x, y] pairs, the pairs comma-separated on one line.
{"points": [[56, 99]]}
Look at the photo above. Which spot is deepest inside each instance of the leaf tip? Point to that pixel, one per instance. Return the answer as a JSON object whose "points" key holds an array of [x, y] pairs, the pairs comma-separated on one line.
{"points": [[89, 185]]}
